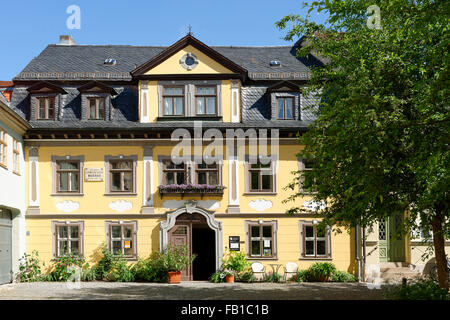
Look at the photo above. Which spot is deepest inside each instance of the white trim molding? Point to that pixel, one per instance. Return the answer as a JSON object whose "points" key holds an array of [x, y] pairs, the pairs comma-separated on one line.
{"points": [[191, 207]]}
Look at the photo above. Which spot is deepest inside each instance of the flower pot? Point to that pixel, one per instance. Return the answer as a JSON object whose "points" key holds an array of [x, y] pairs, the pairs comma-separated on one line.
{"points": [[229, 279], [174, 276]]}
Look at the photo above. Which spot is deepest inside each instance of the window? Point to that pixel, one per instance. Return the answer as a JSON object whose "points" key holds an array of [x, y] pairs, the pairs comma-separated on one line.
{"points": [[68, 237], [68, 176], [96, 108], [46, 108], [121, 173], [315, 241], [207, 174], [16, 156], [3, 148], [122, 238], [174, 173], [261, 239], [285, 108], [173, 101], [260, 177], [206, 98], [305, 181]]}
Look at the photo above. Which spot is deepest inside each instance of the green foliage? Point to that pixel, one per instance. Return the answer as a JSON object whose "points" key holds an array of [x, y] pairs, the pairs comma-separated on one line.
{"points": [[236, 262], [321, 271], [218, 277], [105, 264], [65, 267], [30, 268], [422, 289], [121, 271], [273, 277], [151, 269], [303, 275], [176, 258], [113, 267], [88, 273], [246, 276], [380, 141], [341, 276], [324, 271]]}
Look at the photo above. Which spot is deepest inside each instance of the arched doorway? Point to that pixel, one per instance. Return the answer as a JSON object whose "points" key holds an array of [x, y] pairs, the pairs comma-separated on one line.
{"points": [[196, 228]]}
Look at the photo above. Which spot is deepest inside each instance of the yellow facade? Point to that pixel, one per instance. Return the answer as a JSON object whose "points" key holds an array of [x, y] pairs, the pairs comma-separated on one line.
{"points": [[229, 214]]}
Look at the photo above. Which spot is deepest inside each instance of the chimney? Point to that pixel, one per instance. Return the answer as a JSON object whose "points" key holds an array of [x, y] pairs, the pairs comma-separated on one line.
{"points": [[65, 40]]}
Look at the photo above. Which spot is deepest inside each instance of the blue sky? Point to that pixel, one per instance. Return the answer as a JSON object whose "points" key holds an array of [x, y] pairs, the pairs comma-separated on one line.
{"points": [[29, 26]]}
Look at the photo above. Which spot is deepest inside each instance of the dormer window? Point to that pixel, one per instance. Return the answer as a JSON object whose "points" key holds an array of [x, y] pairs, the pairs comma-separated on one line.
{"points": [[96, 101], [285, 108], [45, 100], [46, 108], [96, 108]]}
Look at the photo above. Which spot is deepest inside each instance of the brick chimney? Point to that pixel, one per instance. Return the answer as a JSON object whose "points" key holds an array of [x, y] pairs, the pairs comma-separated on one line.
{"points": [[65, 40], [6, 89]]}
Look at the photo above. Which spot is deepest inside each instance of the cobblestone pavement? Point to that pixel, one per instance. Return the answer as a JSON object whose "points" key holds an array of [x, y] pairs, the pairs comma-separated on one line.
{"points": [[188, 291]]}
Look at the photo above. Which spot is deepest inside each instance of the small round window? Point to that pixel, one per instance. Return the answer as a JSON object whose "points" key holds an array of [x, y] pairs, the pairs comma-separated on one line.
{"points": [[189, 61]]}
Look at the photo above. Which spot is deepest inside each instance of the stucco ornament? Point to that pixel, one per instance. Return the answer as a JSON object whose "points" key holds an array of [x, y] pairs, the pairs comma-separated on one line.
{"points": [[260, 204], [314, 205], [189, 61], [206, 204], [68, 206], [120, 205]]}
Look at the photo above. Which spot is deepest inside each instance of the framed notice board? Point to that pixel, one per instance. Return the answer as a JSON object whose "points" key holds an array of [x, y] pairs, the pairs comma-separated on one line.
{"points": [[234, 243]]}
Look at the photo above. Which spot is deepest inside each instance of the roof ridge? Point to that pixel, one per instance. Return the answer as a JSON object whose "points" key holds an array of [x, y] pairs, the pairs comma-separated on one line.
{"points": [[137, 46]]}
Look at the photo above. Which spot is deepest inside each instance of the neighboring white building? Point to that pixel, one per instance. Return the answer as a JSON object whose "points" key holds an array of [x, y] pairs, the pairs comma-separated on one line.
{"points": [[12, 191]]}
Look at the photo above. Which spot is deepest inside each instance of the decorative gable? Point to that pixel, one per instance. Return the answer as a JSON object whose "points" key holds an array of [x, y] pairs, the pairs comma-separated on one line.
{"points": [[186, 57]]}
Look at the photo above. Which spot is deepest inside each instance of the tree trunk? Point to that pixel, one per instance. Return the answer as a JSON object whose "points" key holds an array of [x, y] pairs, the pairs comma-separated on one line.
{"points": [[439, 249]]}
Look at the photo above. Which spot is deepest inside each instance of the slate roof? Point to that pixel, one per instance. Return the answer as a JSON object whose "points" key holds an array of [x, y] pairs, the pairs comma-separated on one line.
{"points": [[83, 62]]}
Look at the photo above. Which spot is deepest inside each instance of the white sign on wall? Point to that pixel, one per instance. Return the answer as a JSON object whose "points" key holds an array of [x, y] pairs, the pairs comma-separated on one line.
{"points": [[93, 174]]}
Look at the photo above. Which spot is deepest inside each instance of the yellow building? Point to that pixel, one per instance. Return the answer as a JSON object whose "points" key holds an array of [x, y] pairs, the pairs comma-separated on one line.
{"points": [[107, 126]]}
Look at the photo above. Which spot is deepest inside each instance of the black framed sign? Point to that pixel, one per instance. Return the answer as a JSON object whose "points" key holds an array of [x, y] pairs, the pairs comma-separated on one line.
{"points": [[234, 243]]}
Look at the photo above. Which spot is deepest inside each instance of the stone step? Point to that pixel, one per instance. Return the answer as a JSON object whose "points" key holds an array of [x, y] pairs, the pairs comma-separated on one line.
{"points": [[394, 265], [399, 275], [396, 270]]}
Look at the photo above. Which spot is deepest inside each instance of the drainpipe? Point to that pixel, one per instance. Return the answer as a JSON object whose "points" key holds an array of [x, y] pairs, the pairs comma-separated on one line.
{"points": [[358, 260], [364, 253]]}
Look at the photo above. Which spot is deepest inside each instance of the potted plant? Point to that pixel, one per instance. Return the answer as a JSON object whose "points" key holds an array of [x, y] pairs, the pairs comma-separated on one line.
{"points": [[229, 276], [175, 260], [235, 263]]}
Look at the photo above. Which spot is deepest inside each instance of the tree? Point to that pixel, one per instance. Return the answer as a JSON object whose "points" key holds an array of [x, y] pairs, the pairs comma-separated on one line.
{"points": [[381, 139]]}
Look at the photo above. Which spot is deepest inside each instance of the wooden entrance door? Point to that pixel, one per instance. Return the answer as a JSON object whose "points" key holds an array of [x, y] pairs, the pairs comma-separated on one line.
{"points": [[180, 235], [391, 244]]}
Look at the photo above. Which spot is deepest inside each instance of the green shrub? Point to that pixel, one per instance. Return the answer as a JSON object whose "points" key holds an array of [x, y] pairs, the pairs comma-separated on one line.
{"points": [[65, 267], [246, 276], [303, 275], [151, 269], [113, 267], [341, 276], [105, 264], [87, 273], [30, 268], [422, 289], [273, 277], [218, 277], [236, 262], [321, 271], [176, 258], [120, 271]]}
